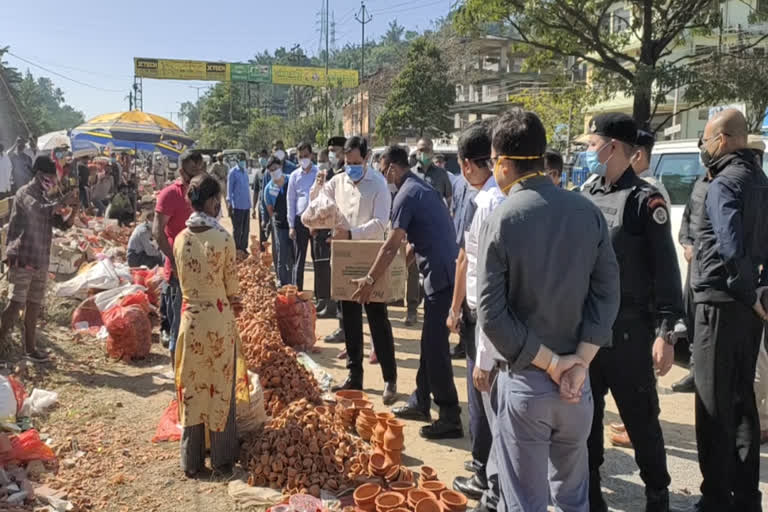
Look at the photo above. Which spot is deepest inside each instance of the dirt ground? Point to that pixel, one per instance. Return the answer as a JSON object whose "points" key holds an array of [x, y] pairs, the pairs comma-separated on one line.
{"points": [[109, 411]]}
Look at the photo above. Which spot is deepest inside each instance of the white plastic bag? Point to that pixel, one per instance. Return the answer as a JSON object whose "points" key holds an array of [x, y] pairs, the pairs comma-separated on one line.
{"points": [[322, 213], [8, 403], [110, 298], [38, 402], [251, 415], [101, 276]]}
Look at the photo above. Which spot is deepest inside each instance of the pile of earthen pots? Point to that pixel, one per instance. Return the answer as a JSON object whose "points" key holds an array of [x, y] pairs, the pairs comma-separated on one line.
{"points": [[405, 496], [349, 404]]}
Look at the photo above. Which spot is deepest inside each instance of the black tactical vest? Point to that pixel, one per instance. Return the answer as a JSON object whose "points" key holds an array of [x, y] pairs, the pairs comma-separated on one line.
{"points": [[632, 253]]}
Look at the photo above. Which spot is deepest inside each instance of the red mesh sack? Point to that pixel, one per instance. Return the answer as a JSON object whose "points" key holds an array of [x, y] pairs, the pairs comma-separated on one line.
{"points": [[18, 392], [139, 299], [140, 276], [88, 312], [296, 320], [168, 429], [130, 332], [27, 447], [155, 288]]}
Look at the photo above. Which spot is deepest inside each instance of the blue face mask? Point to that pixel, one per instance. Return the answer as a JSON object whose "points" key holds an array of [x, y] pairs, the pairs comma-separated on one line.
{"points": [[593, 162], [263, 162], [355, 172], [243, 164]]}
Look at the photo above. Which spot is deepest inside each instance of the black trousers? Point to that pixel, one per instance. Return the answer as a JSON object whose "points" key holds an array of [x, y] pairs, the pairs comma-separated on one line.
{"points": [[435, 375], [727, 424], [381, 333], [479, 428], [241, 227], [139, 259], [300, 245], [321, 261], [626, 369]]}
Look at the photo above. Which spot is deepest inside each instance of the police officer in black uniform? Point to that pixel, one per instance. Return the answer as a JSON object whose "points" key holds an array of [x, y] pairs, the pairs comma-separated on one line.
{"points": [[651, 302]]}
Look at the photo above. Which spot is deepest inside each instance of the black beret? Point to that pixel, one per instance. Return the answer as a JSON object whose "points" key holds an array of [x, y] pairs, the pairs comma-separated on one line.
{"points": [[615, 126], [337, 141], [44, 164]]}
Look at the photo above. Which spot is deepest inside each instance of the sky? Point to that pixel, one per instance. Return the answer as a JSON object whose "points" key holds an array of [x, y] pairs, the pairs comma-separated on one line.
{"points": [[95, 42]]}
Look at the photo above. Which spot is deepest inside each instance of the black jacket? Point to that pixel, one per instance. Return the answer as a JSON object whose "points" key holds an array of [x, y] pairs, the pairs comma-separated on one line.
{"points": [[694, 210], [733, 239]]}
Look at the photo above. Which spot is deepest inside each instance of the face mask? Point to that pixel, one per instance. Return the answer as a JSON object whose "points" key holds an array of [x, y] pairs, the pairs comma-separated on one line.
{"points": [[276, 175], [593, 162], [707, 159], [263, 162], [243, 164], [425, 159], [113, 160], [332, 158], [47, 183], [392, 188], [355, 172], [305, 163], [280, 154], [323, 166], [58, 155]]}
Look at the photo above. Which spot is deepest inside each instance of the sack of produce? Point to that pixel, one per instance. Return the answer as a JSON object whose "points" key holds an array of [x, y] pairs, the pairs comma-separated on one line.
{"points": [[296, 317], [86, 315], [251, 414], [130, 332], [322, 213]]}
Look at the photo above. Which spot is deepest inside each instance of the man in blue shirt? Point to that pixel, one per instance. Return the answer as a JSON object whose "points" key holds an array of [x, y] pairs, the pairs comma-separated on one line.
{"points": [[239, 202], [419, 214], [299, 186]]}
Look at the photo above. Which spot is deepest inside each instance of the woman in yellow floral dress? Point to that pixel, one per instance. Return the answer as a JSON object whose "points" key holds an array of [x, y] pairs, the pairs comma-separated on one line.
{"points": [[210, 370]]}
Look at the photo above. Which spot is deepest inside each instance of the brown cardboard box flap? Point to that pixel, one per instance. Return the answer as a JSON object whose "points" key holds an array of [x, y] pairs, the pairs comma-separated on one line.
{"points": [[353, 259]]}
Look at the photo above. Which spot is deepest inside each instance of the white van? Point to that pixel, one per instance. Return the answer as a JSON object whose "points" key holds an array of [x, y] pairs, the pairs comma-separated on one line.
{"points": [[677, 165]]}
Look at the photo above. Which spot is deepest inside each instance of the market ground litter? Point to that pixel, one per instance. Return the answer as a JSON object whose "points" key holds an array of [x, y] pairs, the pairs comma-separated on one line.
{"points": [[108, 412]]}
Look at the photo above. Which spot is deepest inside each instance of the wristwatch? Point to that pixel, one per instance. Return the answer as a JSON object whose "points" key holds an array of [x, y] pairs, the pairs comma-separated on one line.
{"points": [[369, 280]]}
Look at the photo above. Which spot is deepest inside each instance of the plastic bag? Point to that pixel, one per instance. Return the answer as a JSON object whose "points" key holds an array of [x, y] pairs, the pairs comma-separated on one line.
{"points": [[101, 276], [250, 415], [27, 447], [322, 213], [8, 404], [130, 332], [111, 298], [169, 428], [86, 315], [296, 320], [38, 402]]}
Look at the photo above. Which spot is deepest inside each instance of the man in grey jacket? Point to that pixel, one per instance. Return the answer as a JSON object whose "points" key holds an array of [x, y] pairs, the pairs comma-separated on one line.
{"points": [[546, 325]]}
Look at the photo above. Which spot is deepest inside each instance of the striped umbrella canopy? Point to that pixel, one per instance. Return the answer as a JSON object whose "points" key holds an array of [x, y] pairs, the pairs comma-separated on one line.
{"points": [[137, 126], [103, 139]]}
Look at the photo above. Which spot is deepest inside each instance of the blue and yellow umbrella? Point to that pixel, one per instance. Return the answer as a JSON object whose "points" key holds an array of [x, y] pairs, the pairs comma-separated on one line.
{"points": [[83, 140], [137, 126]]}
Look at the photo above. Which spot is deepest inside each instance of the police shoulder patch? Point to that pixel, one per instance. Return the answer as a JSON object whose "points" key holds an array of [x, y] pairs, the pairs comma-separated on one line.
{"points": [[660, 215]]}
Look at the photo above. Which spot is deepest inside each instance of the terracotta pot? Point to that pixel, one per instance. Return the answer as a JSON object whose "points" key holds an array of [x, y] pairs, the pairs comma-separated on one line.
{"points": [[400, 509], [416, 495], [363, 404], [434, 486], [402, 487], [428, 505], [381, 426], [393, 457], [453, 501], [393, 437], [388, 500], [365, 496], [378, 463], [392, 474], [406, 475], [351, 394], [428, 473]]}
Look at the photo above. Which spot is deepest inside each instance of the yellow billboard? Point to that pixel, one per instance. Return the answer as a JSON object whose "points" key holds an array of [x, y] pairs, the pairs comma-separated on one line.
{"points": [[170, 69], [313, 77]]}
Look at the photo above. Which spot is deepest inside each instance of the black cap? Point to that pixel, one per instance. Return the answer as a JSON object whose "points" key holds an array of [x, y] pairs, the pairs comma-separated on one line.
{"points": [[190, 154], [645, 138], [44, 164], [615, 126], [337, 141]]}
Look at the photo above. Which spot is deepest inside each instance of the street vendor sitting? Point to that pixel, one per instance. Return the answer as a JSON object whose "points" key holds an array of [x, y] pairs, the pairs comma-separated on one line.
{"points": [[121, 207], [35, 213], [142, 250]]}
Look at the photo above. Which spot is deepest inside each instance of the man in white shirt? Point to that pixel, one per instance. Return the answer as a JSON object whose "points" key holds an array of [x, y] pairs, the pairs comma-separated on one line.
{"points": [[363, 198], [5, 173]]}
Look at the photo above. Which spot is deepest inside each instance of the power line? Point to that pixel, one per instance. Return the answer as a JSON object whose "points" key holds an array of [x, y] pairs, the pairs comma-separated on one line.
{"points": [[15, 105], [63, 76], [394, 10]]}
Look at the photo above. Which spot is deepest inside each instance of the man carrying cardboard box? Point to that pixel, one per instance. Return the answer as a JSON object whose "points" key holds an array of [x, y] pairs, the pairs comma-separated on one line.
{"points": [[362, 197], [419, 215]]}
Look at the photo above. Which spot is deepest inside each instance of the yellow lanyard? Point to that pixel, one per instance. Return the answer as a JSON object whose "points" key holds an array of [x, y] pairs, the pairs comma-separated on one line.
{"points": [[521, 180]]}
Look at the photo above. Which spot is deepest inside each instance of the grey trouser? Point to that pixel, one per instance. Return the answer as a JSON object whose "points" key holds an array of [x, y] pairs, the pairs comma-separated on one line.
{"points": [[490, 497], [540, 444]]}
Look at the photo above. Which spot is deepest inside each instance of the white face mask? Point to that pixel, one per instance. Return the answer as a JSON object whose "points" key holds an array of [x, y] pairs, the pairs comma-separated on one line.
{"points": [[323, 166], [276, 175], [392, 188], [332, 158], [305, 163], [280, 154]]}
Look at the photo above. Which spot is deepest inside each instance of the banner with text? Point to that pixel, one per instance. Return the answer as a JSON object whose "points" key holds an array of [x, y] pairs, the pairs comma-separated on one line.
{"points": [[314, 77]]}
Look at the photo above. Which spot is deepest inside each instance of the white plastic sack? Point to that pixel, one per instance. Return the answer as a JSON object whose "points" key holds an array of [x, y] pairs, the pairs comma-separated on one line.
{"points": [[38, 402], [251, 415], [101, 276], [110, 298], [8, 403], [322, 213]]}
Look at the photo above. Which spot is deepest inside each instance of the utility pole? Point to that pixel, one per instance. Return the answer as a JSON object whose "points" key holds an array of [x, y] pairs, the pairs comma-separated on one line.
{"points": [[130, 101], [327, 81], [363, 19]]}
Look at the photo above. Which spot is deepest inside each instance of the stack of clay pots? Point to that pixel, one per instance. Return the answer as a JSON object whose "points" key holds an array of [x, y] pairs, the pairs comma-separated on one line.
{"points": [[347, 403], [427, 474], [389, 501], [365, 497], [377, 466], [366, 422], [377, 439], [416, 496], [453, 501], [394, 442], [399, 474]]}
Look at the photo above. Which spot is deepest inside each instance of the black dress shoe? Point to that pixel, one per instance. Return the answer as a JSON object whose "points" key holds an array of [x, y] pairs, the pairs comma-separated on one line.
{"points": [[470, 466], [685, 385], [442, 429], [327, 311], [459, 352], [411, 319], [473, 486], [408, 412], [337, 336], [481, 508], [390, 393], [657, 501], [350, 383]]}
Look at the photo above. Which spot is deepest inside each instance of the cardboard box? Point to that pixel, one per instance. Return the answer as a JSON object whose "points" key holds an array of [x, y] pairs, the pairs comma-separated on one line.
{"points": [[353, 259]]}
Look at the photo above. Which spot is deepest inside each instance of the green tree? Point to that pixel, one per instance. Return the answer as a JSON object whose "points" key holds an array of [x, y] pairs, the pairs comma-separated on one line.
{"points": [[421, 95], [628, 49]]}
